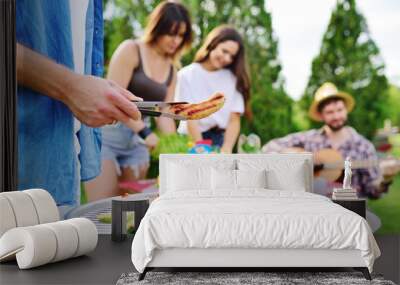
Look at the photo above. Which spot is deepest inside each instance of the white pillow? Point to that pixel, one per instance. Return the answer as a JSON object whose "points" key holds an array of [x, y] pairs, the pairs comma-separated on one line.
{"points": [[224, 179], [251, 178], [295, 181], [184, 174], [227, 179], [183, 177], [282, 174]]}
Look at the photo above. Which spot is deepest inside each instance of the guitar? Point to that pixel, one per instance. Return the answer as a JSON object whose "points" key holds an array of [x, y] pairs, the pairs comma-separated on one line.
{"points": [[329, 164]]}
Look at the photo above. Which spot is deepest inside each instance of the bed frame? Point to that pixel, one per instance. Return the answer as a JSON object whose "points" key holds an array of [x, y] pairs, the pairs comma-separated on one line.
{"points": [[242, 259]]}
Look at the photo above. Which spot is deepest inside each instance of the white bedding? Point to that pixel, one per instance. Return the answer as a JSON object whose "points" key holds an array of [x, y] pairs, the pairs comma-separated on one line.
{"points": [[251, 218]]}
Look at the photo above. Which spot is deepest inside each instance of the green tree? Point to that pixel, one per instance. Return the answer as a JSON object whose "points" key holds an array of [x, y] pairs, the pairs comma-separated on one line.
{"points": [[350, 59], [270, 104], [124, 19]]}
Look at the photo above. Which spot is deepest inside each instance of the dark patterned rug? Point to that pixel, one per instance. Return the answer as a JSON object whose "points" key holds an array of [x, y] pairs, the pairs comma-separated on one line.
{"points": [[229, 278]]}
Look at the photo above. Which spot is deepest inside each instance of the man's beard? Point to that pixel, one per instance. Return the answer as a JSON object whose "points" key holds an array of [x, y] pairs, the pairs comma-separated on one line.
{"points": [[338, 127]]}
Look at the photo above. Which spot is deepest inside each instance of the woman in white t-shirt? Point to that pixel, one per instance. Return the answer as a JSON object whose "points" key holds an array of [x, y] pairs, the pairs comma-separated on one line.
{"points": [[219, 66]]}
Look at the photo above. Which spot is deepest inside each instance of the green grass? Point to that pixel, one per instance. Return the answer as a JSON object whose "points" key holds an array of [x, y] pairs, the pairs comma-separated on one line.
{"points": [[83, 194], [388, 209], [395, 140], [388, 206]]}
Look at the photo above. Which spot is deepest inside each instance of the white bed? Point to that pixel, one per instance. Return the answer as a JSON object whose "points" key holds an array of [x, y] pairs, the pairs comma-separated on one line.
{"points": [[247, 211]]}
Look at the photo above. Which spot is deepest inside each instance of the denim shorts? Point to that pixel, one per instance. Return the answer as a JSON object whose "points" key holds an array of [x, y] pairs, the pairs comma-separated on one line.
{"points": [[124, 147], [216, 135]]}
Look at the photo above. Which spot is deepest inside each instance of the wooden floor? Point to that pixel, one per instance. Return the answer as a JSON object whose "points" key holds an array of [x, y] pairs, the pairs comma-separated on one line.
{"points": [[110, 260]]}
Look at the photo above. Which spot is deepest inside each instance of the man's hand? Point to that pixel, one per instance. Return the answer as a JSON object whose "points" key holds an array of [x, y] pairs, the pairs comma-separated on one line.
{"points": [[93, 100], [389, 167], [96, 101]]}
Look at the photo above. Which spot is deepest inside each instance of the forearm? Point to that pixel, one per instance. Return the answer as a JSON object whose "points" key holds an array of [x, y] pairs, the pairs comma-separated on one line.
{"points": [[371, 183], [379, 186], [279, 144], [376, 180], [373, 189], [231, 134], [93, 100], [42, 74], [166, 125], [194, 131]]}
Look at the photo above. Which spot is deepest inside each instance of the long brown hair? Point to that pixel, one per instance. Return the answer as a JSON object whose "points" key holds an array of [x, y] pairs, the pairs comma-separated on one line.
{"points": [[238, 66], [165, 20]]}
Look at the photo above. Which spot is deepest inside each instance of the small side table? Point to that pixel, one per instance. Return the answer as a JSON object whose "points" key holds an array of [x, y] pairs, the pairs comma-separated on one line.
{"points": [[139, 203], [358, 206]]}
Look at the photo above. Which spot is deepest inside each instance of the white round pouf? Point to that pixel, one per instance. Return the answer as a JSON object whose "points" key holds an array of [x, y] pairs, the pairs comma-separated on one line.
{"points": [[45, 205], [67, 240], [87, 234], [23, 208], [33, 246], [7, 218], [31, 233]]}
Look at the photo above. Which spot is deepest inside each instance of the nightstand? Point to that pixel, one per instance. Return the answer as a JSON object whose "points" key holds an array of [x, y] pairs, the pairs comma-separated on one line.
{"points": [[358, 206], [122, 204]]}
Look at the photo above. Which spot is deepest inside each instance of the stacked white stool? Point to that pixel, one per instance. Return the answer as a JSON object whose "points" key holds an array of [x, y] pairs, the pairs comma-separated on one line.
{"points": [[31, 232]]}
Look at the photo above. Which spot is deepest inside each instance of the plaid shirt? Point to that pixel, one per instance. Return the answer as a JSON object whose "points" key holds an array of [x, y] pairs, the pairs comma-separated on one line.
{"points": [[366, 180]]}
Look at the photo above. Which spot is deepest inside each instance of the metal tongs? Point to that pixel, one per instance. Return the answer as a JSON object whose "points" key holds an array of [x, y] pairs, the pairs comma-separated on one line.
{"points": [[158, 108]]}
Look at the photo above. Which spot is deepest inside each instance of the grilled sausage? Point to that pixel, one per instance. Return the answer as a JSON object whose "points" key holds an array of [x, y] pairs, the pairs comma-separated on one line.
{"points": [[199, 110]]}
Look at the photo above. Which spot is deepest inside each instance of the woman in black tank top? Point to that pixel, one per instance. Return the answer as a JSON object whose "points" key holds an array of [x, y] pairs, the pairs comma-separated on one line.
{"points": [[146, 68]]}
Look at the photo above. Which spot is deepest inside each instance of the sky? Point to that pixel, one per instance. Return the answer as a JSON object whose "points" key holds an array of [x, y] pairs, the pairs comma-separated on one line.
{"points": [[300, 25]]}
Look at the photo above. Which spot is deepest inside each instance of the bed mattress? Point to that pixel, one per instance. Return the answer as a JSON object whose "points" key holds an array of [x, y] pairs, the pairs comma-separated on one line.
{"points": [[250, 219]]}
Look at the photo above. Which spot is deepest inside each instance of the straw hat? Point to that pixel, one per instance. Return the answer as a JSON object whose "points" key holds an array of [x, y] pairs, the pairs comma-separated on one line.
{"points": [[326, 91]]}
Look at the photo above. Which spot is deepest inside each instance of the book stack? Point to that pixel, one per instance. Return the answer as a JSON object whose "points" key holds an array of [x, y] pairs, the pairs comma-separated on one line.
{"points": [[344, 194]]}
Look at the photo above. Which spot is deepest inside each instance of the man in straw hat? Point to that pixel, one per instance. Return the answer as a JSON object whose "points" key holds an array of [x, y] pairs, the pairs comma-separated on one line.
{"points": [[331, 107]]}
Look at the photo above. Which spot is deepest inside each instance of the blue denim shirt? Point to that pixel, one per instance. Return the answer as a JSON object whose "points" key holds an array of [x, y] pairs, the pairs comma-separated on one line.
{"points": [[46, 151]]}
